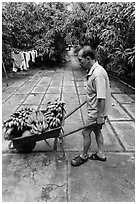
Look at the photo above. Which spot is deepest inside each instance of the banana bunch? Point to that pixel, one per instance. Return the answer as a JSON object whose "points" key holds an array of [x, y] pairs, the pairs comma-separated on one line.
{"points": [[54, 113], [16, 124], [34, 121], [37, 123]]}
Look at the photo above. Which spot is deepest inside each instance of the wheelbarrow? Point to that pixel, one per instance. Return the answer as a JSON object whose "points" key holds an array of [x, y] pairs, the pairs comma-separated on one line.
{"points": [[27, 144]]}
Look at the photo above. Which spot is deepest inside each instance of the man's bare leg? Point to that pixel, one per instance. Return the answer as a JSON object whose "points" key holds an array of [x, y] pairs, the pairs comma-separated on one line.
{"points": [[100, 142], [87, 141]]}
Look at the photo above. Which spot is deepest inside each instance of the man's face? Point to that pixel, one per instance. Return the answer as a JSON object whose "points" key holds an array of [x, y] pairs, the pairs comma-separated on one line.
{"points": [[82, 61]]}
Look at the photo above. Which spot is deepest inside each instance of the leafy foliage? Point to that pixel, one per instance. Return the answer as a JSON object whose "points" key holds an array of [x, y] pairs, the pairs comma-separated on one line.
{"points": [[108, 27], [28, 25]]}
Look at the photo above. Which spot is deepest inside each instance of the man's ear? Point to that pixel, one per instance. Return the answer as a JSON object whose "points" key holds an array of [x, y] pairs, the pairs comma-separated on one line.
{"points": [[88, 58]]}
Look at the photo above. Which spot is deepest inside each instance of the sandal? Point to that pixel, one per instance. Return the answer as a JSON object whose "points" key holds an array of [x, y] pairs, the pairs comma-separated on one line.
{"points": [[77, 161], [96, 157]]}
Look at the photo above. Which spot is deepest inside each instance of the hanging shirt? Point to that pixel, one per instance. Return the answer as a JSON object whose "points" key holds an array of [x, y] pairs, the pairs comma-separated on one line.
{"points": [[33, 55], [36, 53], [30, 53], [25, 60], [27, 54], [23, 63], [14, 68], [17, 59]]}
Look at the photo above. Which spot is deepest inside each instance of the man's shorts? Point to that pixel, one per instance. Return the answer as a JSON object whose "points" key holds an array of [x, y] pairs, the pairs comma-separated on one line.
{"points": [[94, 121]]}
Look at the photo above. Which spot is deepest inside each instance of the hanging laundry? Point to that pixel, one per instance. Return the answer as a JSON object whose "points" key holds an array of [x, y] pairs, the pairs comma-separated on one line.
{"points": [[36, 53], [33, 55], [23, 64], [17, 60], [27, 54], [22, 60], [41, 56], [14, 68], [25, 59], [30, 55]]}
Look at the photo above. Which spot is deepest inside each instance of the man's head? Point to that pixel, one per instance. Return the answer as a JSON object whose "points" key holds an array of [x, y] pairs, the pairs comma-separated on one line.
{"points": [[86, 57]]}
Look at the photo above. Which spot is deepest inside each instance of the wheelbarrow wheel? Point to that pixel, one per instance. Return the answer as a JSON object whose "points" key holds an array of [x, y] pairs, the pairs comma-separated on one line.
{"points": [[24, 148]]}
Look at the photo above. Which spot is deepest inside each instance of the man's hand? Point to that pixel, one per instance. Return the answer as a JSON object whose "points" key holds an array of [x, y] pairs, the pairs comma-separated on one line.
{"points": [[100, 120]]}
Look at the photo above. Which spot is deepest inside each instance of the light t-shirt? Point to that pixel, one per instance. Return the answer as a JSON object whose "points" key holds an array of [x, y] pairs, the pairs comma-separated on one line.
{"points": [[98, 87]]}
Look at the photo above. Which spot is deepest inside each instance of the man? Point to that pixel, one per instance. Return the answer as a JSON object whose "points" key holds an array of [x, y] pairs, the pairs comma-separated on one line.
{"points": [[98, 105]]}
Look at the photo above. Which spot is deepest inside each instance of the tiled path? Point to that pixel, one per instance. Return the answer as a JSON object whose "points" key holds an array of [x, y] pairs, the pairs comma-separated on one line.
{"points": [[68, 83]]}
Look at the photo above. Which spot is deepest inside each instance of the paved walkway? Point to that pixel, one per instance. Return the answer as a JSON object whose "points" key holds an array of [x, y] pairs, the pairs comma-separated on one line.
{"points": [[41, 176]]}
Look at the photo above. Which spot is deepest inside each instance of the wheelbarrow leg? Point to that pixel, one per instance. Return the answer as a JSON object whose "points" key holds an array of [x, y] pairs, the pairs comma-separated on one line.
{"points": [[61, 145], [60, 140], [69, 114], [52, 149], [55, 143]]}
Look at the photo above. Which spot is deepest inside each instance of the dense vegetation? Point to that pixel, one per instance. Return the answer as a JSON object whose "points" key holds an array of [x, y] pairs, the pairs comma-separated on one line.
{"points": [[28, 25], [109, 27]]}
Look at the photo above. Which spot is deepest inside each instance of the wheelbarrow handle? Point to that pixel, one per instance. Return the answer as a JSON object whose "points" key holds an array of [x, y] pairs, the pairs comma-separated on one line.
{"points": [[73, 111], [78, 129]]}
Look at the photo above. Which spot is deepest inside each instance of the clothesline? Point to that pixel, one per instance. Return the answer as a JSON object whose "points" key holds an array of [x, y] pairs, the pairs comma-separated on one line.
{"points": [[21, 58]]}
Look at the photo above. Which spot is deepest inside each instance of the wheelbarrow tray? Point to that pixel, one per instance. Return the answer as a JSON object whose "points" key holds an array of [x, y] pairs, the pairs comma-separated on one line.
{"points": [[52, 133], [26, 144]]}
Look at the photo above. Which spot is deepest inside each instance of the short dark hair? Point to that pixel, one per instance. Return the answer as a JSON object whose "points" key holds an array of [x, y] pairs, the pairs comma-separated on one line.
{"points": [[87, 51]]}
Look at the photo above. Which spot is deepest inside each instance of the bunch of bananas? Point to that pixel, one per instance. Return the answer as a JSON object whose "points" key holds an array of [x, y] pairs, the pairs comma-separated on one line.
{"points": [[16, 124], [55, 114], [34, 121], [37, 122]]}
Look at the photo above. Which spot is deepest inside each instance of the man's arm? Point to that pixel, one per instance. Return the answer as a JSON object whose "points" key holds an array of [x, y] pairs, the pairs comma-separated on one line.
{"points": [[101, 107]]}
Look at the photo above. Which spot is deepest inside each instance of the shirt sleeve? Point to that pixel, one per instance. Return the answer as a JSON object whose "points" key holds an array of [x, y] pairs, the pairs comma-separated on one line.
{"points": [[100, 85]]}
